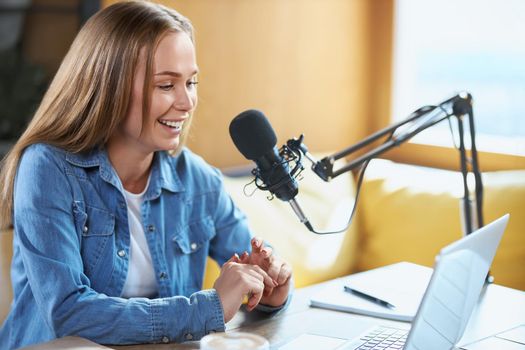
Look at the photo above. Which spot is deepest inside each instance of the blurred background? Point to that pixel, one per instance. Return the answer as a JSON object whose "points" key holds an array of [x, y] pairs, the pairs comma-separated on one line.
{"points": [[335, 70]]}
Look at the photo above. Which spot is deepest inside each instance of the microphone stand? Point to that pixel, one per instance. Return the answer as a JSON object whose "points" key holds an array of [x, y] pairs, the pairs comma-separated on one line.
{"points": [[457, 106]]}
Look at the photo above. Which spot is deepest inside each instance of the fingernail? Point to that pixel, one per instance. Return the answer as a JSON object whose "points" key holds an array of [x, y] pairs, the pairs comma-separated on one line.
{"points": [[275, 283]]}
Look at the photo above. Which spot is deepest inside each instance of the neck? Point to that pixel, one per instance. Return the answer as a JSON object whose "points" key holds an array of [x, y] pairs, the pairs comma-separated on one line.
{"points": [[132, 166]]}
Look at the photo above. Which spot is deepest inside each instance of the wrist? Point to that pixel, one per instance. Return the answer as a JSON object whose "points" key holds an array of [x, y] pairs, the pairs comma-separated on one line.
{"points": [[270, 308]]}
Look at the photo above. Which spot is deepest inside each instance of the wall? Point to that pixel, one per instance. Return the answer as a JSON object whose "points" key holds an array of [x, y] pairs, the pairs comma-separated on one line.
{"points": [[304, 63], [49, 30]]}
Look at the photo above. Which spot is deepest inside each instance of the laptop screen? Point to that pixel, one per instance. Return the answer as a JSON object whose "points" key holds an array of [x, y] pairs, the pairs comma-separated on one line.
{"points": [[459, 275]]}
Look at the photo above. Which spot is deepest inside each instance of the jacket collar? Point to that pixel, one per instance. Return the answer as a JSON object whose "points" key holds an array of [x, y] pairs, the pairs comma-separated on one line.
{"points": [[163, 171]]}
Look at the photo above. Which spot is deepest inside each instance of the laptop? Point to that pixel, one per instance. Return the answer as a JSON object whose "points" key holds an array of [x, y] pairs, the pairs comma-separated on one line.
{"points": [[459, 274]]}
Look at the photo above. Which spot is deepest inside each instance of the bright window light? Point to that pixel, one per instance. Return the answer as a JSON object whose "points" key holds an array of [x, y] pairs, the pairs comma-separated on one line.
{"points": [[442, 47]]}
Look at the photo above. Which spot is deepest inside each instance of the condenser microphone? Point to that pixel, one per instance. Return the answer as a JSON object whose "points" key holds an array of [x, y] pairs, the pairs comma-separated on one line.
{"points": [[254, 137]]}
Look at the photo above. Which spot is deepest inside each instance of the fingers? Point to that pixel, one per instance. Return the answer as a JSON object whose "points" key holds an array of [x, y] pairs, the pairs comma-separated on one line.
{"points": [[267, 252], [257, 244], [261, 257], [235, 258], [237, 280], [274, 268], [268, 284], [279, 271], [263, 286], [257, 281], [284, 274], [254, 297], [245, 258], [257, 269], [267, 280], [261, 254], [252, 279]]}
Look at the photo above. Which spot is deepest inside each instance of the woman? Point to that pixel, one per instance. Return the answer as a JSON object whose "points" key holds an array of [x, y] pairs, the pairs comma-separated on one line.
{"points": [[113, 217]]}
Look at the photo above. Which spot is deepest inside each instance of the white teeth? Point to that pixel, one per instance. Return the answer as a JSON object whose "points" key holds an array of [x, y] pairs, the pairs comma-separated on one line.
{"points": [[172, 124]]}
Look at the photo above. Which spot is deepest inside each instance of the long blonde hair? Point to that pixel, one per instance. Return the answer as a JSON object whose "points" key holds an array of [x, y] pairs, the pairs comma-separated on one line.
{"points": [[90, 94]]}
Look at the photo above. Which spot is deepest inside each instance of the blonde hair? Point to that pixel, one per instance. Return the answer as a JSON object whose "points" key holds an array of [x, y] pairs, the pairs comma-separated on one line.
{"points": [[90, 94]]}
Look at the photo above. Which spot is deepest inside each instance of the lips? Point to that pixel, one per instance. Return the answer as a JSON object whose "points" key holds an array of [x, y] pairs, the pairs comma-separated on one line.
{"points": [[176, 125], [172, 124]]}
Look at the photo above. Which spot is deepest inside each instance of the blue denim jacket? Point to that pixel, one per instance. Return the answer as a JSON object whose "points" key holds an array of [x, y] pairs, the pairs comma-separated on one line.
{"points": [[71, 249]]}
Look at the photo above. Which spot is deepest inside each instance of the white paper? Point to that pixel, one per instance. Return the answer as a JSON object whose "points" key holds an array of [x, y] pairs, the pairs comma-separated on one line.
{"points": [[402, 284]]}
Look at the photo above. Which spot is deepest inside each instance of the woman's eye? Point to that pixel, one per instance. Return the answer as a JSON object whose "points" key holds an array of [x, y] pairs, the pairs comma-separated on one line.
{"points": [[192, 83], [166, 87]]}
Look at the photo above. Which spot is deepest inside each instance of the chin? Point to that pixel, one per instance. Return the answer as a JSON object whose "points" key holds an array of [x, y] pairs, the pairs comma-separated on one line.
{"points": [[172, 147]]}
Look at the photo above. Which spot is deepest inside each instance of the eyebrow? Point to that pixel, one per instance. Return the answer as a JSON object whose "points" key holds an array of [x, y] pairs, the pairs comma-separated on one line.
{"points": [[175, 74]]}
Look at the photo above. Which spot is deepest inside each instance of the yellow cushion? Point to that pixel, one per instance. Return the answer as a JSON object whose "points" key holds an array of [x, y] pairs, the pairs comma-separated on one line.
{"points": [[505, 193], [314, 258], [409, 213]]}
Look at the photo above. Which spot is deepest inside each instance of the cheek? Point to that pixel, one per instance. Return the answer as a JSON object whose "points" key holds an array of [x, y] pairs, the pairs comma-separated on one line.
{"points": [[133, 124], [160, 104], [194, 98]]}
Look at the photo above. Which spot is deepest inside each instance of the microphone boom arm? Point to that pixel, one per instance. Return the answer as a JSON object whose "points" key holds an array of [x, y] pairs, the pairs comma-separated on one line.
{"points": [[460, 106]]}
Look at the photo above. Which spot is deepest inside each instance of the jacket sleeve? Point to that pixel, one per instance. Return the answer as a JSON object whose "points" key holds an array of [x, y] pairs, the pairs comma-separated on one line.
{"points": [[50, 250], [233, 234]]}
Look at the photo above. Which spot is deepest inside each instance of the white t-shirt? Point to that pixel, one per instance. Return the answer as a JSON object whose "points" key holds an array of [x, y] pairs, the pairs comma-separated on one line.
{"points": [[140, 281]]}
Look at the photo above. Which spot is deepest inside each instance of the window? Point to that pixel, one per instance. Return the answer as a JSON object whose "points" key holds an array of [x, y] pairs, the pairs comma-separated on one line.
{"points": [[447, 46]]}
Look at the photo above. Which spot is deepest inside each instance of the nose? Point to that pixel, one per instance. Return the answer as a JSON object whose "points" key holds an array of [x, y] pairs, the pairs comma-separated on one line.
{"points": [[185, 100]]}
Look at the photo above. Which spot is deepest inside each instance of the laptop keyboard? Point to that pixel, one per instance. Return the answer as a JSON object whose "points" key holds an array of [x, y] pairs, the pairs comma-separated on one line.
{"points": [[379, 337]]}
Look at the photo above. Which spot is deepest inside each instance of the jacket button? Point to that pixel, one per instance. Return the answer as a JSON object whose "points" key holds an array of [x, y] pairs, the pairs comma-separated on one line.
{"points": [[193, 246], [151, 228], [121, 253], [163, 275], [165, 339], [189, 336], [85, 229]]}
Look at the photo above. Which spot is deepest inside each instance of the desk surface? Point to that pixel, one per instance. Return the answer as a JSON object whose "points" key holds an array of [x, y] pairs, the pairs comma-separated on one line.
{"points": [[499, 308]]}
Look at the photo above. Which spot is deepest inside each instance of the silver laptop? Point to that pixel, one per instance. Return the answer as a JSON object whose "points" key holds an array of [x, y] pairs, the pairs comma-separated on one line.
{"points": [[452, 293]]}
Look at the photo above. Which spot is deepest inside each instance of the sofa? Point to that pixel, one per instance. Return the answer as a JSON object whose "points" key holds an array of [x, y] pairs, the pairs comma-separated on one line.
{"points": [[404, 213]]}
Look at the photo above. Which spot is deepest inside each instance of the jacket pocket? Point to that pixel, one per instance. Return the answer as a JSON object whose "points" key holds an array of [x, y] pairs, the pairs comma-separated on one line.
{"points": [[196, 235], [92, 221], [95, 227], [191, 245]]}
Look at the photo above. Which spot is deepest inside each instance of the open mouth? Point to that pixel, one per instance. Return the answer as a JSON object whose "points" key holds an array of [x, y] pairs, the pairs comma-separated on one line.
{"points": [[175, 125]]}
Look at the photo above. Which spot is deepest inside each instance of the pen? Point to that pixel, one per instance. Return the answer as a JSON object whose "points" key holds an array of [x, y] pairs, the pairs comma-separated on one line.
{"points": [[369, 297]]}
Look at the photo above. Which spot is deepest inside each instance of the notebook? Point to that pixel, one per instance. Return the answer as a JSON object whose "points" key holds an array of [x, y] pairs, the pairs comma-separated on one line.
{"points": [[454, 288], [402, 285]]}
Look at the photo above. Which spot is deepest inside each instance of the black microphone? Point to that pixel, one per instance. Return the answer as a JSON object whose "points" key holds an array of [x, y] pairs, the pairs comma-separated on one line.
{"points": [[254, 137]]}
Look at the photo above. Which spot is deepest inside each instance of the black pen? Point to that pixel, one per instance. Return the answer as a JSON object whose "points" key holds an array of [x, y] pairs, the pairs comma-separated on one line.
{"points": [[369, 297]]}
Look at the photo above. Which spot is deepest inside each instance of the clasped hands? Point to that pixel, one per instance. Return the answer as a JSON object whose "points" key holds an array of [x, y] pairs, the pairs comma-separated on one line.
{"points": [[262, 276]]}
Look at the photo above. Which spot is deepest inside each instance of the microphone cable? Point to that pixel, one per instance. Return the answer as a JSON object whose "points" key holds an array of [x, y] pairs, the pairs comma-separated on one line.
{"points": [[358, 191]]}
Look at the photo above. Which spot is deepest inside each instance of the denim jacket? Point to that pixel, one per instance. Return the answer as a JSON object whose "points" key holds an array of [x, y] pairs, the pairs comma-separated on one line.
{"points": [[71, 249]]}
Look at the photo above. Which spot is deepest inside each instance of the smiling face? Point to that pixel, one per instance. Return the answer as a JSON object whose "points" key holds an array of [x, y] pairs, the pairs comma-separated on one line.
{"points": [[173, 98]]}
